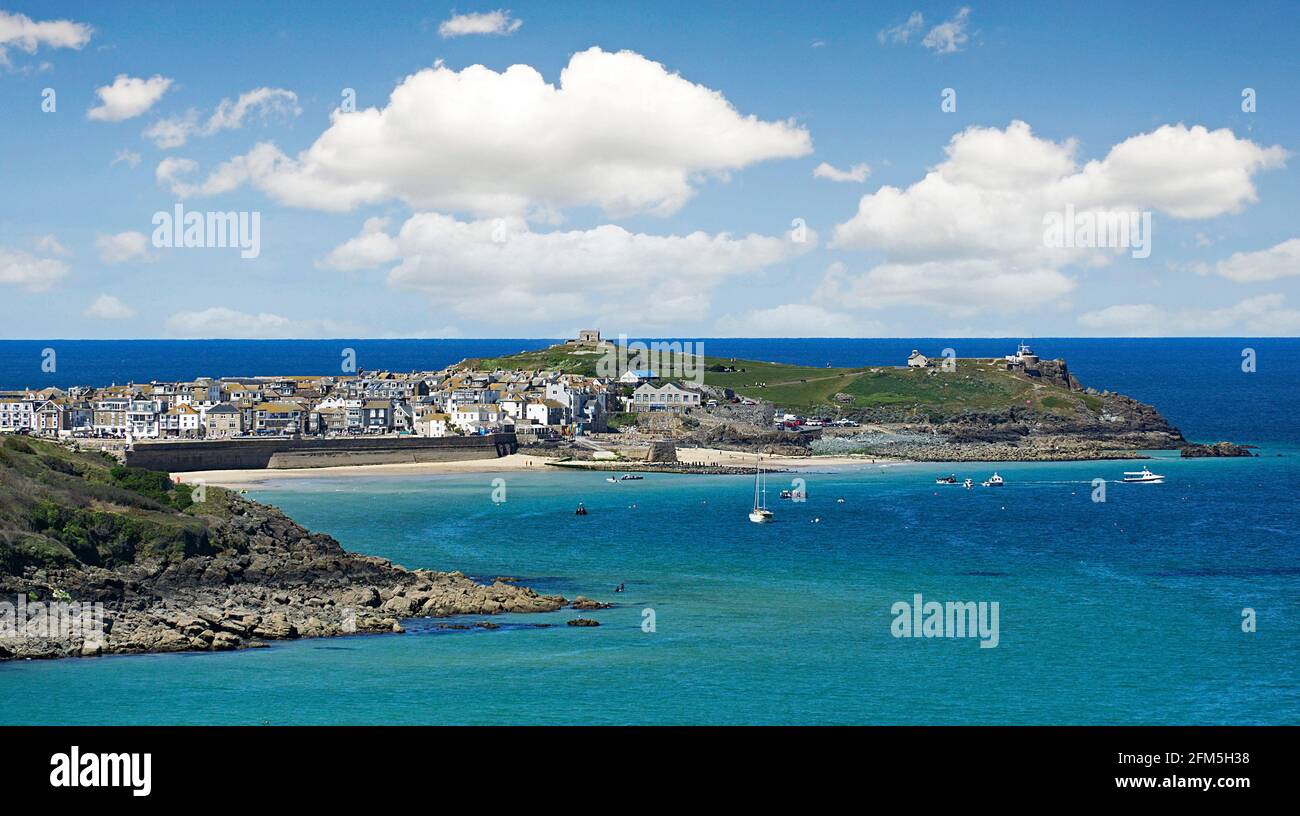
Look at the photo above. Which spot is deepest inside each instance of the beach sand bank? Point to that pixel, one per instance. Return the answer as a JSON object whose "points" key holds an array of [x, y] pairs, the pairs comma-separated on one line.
{"points": [[515, 462]]}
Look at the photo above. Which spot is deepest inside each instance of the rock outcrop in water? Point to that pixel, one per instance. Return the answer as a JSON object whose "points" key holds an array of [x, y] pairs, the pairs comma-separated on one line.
{"points": [[224, 573], [1215, 450]]}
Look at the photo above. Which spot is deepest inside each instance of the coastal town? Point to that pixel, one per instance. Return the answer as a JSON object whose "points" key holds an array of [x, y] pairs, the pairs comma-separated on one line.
{"points": [[537, 404], [588, 398], [454, 401]]}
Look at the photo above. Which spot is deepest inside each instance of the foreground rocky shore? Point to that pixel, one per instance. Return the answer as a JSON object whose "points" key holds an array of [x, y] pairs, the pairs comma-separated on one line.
{"points": [[282, 582], [176, 569]]}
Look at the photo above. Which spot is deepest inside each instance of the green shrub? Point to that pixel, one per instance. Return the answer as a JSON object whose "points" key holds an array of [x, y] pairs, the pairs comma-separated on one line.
{"points": [[15, 443], [153, 484]]}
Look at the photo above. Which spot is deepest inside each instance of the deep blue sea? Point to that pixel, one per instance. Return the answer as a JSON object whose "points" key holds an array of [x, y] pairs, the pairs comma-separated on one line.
{"points": [[1127, 610]]}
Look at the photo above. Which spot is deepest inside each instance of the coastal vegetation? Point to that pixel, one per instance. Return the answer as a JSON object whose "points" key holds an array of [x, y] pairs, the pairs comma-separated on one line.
{"points": [[973, 384], [182, 570]]}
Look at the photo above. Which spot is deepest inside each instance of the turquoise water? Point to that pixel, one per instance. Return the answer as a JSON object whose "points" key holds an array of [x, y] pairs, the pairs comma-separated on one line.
{"points": [[1127, 611]]}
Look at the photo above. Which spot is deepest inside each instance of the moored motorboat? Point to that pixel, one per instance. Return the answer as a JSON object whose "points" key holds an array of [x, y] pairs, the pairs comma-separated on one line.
{"points": [[950, 479], [993, 481], [1143, 476]]}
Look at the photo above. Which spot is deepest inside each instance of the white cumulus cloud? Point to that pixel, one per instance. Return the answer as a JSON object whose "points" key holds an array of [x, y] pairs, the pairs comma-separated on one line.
{"points": [[500, 272], [619, 132], [1264, 315], [31, 272], [949, 37], [108, 307], [128, 157], [497, 22], [49, 245], [905, 31], [22, 32], [857, 173], [122, 247], [970, 233], [175, 131], [1281, 261], [128, 97]]}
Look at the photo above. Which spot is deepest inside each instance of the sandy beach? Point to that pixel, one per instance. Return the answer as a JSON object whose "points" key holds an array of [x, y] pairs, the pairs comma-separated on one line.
{"points": [[514, 462]]}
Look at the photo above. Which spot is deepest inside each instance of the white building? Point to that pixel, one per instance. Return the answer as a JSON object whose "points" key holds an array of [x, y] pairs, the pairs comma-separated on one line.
{"points": [[667, 397], [432, 424], [142, 420], [545, 412], [475, 415], [917, 360], [181, 420], [17, 414], [635, 377]]}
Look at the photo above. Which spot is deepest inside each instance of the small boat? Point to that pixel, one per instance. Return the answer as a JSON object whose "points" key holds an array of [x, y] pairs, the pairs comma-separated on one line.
{"points": [[968, 484], [611, 480], [760, 514], [787, 494], [581, 511], [994, 481], [951, 478], [630, 477], [1143, 476]]}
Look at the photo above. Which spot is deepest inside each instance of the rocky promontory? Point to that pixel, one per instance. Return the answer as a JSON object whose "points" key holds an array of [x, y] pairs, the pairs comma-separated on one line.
{"points": [[221, 573]]}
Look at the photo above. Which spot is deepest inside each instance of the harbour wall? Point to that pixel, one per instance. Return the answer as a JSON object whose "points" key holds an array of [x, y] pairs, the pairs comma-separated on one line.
{"points": [[253, 454]]}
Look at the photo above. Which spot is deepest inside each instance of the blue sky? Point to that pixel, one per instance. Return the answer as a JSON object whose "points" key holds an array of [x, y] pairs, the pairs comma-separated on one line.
{"points": [[661, 187]]}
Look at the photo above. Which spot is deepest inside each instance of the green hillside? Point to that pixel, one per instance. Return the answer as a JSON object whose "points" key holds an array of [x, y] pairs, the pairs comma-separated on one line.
{"points": [[975, 385], [63, 508]]}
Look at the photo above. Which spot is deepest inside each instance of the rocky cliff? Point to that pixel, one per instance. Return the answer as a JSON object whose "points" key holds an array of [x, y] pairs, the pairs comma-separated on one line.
{"points": [[174, 574]]}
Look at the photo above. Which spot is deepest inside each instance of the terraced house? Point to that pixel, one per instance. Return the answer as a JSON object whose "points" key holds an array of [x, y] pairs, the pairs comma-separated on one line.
{"points": [[223, 421], [277, 417], [182, 421], [377, 415]]}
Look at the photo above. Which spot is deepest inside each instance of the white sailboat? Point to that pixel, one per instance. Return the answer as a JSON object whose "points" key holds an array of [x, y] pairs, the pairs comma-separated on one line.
{"points": [[760, 514]]}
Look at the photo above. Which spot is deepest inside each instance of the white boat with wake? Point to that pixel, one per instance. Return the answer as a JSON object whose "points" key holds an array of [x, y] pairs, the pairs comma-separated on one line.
{"points": [[1143, 476]]}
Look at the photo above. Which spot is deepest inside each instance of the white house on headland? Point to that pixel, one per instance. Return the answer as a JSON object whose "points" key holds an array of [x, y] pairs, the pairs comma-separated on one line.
{"points": [[917, 360], [635, 377]]}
